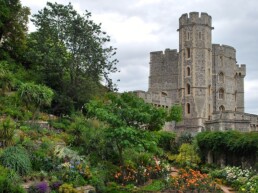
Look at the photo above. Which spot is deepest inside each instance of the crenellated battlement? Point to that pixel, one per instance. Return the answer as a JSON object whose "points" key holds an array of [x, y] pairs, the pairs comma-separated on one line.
{"points": [[195, 18], [224, 50], [158, 55]]}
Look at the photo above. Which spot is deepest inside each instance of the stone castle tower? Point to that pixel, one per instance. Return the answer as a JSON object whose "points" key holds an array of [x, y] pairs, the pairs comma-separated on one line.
{"points": [[203, 77]]}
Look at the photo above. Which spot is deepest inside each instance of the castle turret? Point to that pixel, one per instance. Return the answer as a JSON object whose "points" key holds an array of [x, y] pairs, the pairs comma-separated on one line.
{"points": [[240, 75], [164, 73], [195, 67]]}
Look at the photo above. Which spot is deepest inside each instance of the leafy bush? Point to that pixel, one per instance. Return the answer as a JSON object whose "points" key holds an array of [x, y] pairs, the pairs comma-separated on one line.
{"points": [[165, 140], [237, 177], [194, 181], [67, 188], [7, 127], [16, 158], [6, 183], [250, 186], [187, 156], [41, 187]]}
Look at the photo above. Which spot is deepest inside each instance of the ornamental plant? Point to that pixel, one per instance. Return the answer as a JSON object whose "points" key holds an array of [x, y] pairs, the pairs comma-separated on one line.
{"points": [[250, 186], [192, 180], [240, 179], [141, 173], [16, 158]]}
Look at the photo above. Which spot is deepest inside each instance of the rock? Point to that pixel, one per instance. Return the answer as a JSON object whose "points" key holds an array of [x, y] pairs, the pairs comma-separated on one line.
{"points": [[86, 189]]}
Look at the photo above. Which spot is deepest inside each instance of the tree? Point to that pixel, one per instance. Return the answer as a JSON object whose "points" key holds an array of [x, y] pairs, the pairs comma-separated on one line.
{"points": [[35, 96], [69, 52], [128, 118], [176, 113], [13, 28]]}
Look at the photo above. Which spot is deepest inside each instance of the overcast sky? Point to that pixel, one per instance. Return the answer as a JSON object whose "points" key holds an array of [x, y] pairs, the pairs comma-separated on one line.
{"points": [[138, 27]]}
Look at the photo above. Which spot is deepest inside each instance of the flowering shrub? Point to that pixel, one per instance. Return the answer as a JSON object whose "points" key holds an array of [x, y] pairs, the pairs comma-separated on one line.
{"points": [[41, 187], [142, 173], [192, 180], [241, 179]]}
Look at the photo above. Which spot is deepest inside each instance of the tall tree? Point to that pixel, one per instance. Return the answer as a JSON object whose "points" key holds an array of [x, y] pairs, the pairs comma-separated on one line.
{"points": [[129, 119], [13, 28], [70, 51]]}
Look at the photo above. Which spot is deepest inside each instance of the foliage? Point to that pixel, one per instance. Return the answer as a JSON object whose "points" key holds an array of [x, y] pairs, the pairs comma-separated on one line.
{"points": [[67, 188], [192, 180], [250, 186], [69, 52], [7, 128], [156, 185], [6, 78], [143, 170], [127, 110], [66, 153], [6, 183], [128, 118], [237, 177], [16, 158], [166, 140], [13, 28], [235, 146], [40, 187], [231, 141], [187, 156], [176, 113], [35, 96]]}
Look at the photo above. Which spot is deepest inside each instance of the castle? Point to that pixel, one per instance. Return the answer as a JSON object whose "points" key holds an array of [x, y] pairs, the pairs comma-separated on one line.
{"points": [[203, 77]]}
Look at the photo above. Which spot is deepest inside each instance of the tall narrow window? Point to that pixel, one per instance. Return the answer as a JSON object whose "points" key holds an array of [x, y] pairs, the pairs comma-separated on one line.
{"points": [[188, 108], [200, 35], [209, 90], [188, 53], [188, 89], [221, 77], [188, 71], [188, 35], [221, 93], [221, 60]]}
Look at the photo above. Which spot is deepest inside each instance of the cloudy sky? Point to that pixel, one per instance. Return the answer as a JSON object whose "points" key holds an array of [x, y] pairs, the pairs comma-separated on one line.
{"points": [[138, 27]]}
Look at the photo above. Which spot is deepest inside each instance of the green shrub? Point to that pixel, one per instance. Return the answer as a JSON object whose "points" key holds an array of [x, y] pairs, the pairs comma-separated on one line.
{"points": [[187, 156], [16, 158], [7, 127], [166, 140], [6, 183]]}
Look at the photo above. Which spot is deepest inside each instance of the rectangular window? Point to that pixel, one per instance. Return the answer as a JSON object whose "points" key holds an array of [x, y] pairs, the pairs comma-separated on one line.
{"points": [[188, 35], [200, 35], [188, 53]]}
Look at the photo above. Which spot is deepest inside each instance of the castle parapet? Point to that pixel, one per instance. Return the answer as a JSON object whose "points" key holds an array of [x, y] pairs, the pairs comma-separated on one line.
{"points": [[195, 18], [224, 50]]}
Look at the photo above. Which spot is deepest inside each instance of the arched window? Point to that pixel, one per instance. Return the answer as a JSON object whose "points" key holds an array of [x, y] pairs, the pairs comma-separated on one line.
{"points": [[221, 93], [188, 71], [188, 108], [222, 108], [221, 77], [188, 89]]}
